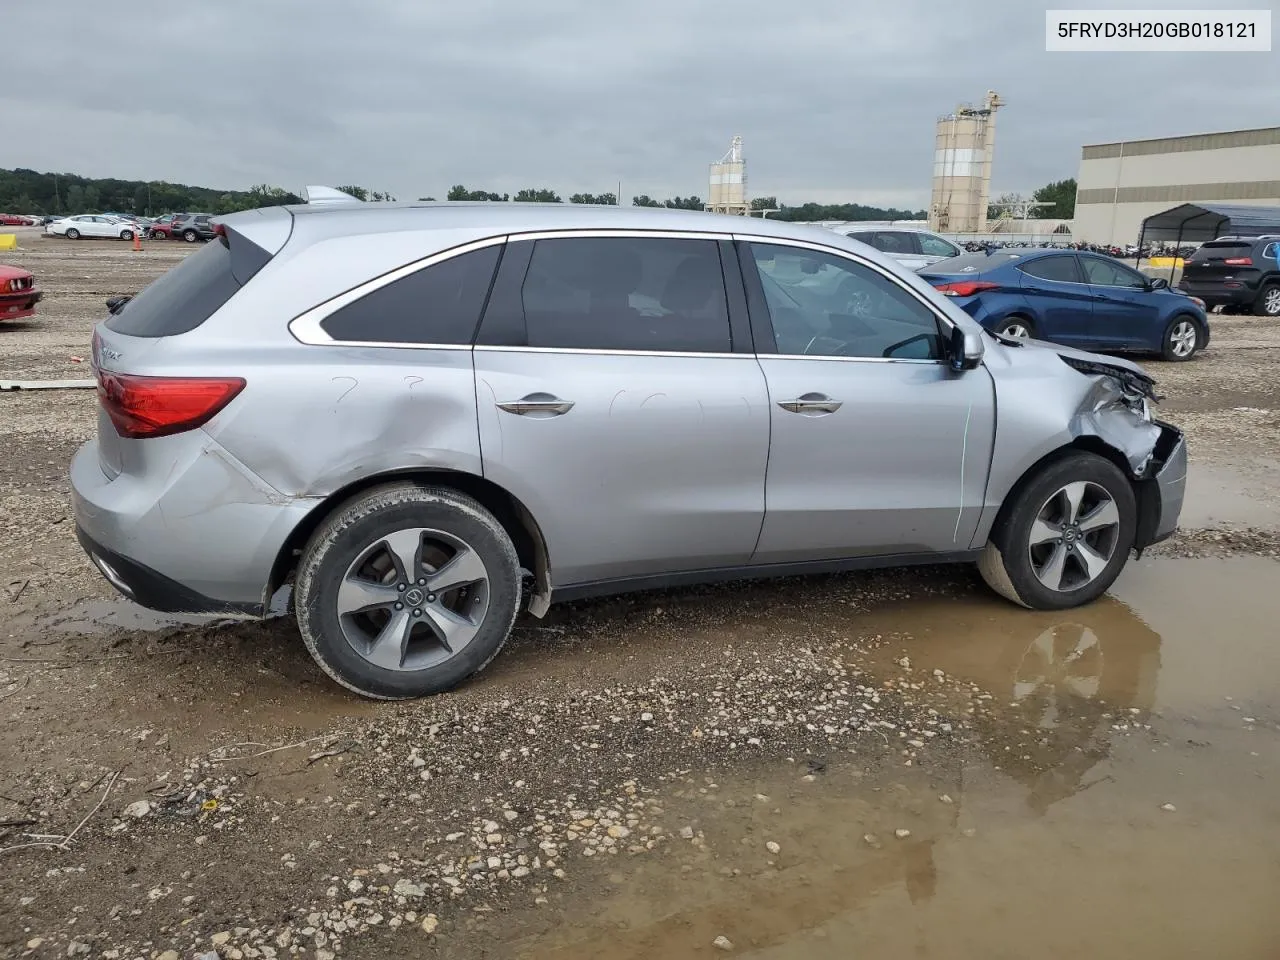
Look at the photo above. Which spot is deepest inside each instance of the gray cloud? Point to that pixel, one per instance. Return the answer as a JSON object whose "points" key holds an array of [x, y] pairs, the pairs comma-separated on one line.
{"points": [[836, 99]]}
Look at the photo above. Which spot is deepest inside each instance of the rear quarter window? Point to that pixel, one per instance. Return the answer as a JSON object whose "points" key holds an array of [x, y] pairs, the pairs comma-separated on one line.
{"points": [[1221, 250], [191, 292]]}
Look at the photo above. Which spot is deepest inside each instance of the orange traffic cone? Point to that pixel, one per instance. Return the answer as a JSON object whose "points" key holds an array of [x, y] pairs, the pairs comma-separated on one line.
{"points": [[137, 240]]}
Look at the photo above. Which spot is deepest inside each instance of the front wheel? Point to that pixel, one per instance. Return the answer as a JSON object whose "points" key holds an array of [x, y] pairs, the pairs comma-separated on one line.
{"points": [[190, 236], [407, 591], [1065, 538], [126, 234], [1181, 339], [1017, 328]]}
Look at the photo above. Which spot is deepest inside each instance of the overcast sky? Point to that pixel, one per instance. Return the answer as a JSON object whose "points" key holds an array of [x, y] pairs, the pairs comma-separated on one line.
{"points": [[836, 99]]}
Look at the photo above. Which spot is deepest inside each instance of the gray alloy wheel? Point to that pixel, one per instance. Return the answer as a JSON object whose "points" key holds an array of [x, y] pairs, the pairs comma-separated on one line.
{"points": [[413, 599], [406, 590], [190, 236], [1074, 536], [1269, 302], [1182, 339], [73, 234], [1017, 328], [126, 234]]}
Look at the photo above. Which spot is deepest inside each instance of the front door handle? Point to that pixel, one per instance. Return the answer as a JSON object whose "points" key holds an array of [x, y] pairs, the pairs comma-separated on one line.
{"points": [[537, 403], [812, 404]]}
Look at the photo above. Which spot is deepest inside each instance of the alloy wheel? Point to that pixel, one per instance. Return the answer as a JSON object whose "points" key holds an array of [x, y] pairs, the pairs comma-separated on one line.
{"points": [[1017, 331], [1182, 339], [413, 599], [1074, 536], [1271, 303]]}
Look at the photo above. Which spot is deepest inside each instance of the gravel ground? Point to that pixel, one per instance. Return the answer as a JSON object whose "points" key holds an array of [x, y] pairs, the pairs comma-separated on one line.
{"points": [[180, 787]]}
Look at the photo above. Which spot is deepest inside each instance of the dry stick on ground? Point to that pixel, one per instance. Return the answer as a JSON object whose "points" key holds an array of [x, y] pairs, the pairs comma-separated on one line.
{"points": [[263, 753], [64, 843]]}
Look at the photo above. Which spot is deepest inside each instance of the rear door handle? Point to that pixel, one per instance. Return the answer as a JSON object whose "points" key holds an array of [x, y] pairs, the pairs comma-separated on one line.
{"points": [[537, 403], [812, 404]]}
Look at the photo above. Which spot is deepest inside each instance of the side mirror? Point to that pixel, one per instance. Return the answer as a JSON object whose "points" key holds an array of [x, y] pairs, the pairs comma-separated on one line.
{"points": [[1157, 283], [965, 350]]}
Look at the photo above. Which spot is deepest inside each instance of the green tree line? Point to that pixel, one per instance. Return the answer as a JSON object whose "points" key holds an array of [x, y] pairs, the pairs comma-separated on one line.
{"points": [[27, 191]]}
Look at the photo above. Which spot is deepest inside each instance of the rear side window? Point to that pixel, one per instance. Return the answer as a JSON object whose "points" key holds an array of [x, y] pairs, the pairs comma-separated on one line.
{"points": [[893, 242], [1062, 269], [932, 246], [626, 293], [439, 304], [191, 292]]}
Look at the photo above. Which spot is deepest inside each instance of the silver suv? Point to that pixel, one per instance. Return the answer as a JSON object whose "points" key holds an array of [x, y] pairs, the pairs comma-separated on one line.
{"points": [[405, 412]]}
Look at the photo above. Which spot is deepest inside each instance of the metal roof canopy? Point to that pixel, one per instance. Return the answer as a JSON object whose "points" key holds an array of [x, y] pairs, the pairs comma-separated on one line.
{"points": [[1198, 222]]}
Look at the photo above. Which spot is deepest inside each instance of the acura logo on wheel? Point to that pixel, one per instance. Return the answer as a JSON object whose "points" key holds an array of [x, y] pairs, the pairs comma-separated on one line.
{"points": [[414, 597]]}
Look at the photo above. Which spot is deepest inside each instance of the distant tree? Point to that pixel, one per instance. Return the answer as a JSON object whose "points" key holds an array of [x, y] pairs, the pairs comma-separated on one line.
{"points": [[426, 199], [644, 200], [843, 211], [604, 199], [764, 203], [140, 196], [92, 199], [537, 195], [459, 192], [684, 203], [1062, 194], [360, 193]]}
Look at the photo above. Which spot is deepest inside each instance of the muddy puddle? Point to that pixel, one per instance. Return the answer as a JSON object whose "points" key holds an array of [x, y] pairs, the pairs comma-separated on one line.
{"points": [[1119, 797]]}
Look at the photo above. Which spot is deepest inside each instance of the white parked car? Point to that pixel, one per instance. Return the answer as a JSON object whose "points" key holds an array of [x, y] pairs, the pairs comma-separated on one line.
{"points": [[910, 246], [92, 225]]}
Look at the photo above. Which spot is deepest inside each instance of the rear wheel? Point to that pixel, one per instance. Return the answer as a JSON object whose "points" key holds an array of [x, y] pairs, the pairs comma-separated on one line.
{"points": [[1181, 339], [73, 234], [1268, 302], [1017, 328], [190, 236], [1065, 538], [407, 591]]}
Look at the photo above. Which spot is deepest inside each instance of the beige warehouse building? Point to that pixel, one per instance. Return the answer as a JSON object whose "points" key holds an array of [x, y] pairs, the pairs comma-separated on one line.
{"points": [[1121, 184]]}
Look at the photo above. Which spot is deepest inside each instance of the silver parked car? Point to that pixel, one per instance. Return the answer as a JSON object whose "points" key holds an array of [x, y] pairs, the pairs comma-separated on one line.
{"points": [[405, 411], [910, 246]]}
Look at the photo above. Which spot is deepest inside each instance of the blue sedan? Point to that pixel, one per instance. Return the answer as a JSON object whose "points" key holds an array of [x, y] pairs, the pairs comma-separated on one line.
{"points": [[1078, 299]]}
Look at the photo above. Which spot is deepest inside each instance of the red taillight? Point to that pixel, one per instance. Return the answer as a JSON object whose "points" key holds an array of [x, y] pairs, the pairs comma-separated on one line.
{"points": [[966, 288], [219, 230], [160, 406], [1239, 261]]}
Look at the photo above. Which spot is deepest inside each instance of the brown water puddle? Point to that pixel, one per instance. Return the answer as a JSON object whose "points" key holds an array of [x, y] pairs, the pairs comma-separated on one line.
{"points": [[1119, 800]]}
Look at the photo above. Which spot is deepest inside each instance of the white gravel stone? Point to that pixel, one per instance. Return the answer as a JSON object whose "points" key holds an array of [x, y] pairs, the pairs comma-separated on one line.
{"points": [[722, 943], [902, 833], [772, 847]]}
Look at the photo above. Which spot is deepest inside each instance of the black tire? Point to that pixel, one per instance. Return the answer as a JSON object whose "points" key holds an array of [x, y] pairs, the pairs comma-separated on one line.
{"points": [[1012, 323], [190, 236], [126, 234], [348, 533], [1174, 337], [156, 235], [73, 234], [1007, 560], [1268, 302]]}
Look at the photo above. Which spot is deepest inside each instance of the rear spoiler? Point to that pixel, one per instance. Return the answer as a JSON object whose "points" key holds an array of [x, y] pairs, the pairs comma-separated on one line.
{"points": [[324, 195]]}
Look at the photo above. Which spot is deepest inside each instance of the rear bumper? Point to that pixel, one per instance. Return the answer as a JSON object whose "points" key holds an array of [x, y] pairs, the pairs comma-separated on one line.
{"points": [[1215, 295], [184, 527], [16, 305]]}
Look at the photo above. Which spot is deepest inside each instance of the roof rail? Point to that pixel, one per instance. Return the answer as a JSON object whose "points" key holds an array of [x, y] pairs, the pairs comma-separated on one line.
{"points": [[324, 195]]}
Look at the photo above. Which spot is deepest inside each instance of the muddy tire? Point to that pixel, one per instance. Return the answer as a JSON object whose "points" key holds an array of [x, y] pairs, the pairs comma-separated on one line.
{"points": [[1268, 302], [1181, 339], [1017, 328], [1065, 537], [407, 591]]}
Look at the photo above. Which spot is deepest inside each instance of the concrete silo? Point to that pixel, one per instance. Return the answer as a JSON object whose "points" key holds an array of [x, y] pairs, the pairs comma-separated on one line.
{"points": [[962, 167], [728, 192]]}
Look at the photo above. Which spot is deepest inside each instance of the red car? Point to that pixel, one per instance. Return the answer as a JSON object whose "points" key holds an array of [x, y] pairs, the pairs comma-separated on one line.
{"points": [[13, 220], [18, 293]]}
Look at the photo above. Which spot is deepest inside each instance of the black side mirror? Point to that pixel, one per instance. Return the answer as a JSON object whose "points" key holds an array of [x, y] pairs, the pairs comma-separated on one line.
{"points": [[1157, 283]]}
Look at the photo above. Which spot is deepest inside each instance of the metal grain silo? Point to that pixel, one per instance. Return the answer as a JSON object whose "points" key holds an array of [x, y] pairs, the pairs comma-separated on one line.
{"points": [[728, 189], [962, 167]]}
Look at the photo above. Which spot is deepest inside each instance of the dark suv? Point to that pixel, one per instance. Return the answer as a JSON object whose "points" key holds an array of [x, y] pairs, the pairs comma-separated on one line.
{"points": [[192, 227], [1239, 274]]}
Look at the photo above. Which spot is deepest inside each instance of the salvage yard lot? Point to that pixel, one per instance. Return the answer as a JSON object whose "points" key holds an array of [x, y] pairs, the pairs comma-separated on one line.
{"points": [[639, 776]]}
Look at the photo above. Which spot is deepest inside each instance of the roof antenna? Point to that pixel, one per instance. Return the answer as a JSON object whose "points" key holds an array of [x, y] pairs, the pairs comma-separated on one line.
{"points": [[325, 195]]}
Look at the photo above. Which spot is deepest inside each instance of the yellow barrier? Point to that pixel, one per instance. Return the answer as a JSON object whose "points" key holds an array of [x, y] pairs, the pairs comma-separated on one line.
{"points": [[8, 241], [1165, 261]]}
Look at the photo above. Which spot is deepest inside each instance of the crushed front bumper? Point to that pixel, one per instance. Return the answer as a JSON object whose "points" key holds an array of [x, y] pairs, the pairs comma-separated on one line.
{"points": [[15, 306], [1160, 496]]}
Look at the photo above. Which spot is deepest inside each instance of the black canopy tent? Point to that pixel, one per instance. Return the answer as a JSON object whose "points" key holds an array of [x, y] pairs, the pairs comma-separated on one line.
{"points": [[1199, 222]]}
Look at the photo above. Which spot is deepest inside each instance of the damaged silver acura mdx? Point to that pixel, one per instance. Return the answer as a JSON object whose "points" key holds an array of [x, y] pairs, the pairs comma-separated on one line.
{"points": [[405, 412]]}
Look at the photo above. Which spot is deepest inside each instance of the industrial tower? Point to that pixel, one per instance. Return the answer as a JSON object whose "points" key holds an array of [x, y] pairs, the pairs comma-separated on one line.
{"points": [[962, 167], [728, 193]]}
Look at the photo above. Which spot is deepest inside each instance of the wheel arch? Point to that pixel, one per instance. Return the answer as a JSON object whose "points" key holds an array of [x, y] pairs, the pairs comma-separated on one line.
{"points": [[513, 516]]}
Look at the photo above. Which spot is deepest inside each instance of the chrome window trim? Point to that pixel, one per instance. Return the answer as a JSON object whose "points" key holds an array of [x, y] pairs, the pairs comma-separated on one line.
{"points": [[306, 326], [601, 233], [810, 356], [603, 351]]}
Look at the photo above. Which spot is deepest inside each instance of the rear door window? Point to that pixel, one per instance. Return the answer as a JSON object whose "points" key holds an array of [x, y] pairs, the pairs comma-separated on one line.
{"points": [[894, 242], [439, 304], [1108, 273], [626, 293], [932, 246], [1063, 269]]}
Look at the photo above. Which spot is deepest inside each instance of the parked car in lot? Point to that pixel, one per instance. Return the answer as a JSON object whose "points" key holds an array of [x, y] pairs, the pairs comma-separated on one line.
{"points": [[161, 227], [1239, 274], [406, 411], [93, 225], [18, 293], [910, 246], [192, 227], [1079, 299], [14, 220]]}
